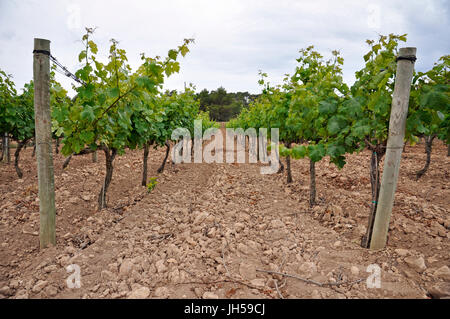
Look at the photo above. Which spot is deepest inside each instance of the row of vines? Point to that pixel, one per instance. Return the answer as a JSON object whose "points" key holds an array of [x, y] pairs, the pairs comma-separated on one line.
{"points": [[115, 109], [319, 116]]}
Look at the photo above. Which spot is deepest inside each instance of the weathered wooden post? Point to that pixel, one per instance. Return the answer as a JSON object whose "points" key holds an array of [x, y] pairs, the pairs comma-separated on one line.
{"points": [[399, 112], [41, 75], [6, 149]]}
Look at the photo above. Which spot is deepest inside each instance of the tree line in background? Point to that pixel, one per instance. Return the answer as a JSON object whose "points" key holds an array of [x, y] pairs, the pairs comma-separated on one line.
{"points": [[222, 105]]}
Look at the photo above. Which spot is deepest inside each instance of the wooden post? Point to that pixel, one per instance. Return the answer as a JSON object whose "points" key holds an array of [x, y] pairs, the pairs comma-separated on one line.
{"points": [[41, 75], [399, 112], [6, 149]]}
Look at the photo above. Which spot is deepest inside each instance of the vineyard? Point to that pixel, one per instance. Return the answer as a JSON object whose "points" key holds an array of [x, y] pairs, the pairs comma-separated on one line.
{"points": [[139, 225]]}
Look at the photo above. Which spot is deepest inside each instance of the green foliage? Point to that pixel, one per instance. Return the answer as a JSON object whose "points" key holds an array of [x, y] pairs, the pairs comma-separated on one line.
{"points": [[222, 105], [429, 106], [152, 184], [307, 108], [116, 106], [8, 96], [371, 94], [17, 110]]}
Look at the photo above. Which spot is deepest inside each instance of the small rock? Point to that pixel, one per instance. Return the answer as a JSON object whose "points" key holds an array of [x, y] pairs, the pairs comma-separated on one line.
{"points": [[239, 227], [210, 295], [437, 229], [443, 273], [123, 287], [174, 276], [442, 233], [6, 291], [70, 250], [337, 210], [50, 268], [440, 290], [316, 295], [337, 244], [107, 275], [276, 223], [22, 294], [200, 218], [418, 264], [243, 248], [402, 252], [14, 284], [198, 292], [140, 293], [95, 288], [308, 268], [247, 271], [51, 291], [447, 223], [432, 260], [162, 292], [258, 282], [39, 286], [160, 267], [354, 270], [126, 267], [362, 230]]}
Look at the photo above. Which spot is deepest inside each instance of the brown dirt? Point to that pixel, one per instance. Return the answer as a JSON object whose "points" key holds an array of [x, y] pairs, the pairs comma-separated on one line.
{"points": [[206, 229]]}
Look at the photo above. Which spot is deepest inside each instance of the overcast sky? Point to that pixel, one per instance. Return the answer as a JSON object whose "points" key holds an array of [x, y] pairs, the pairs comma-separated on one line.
{"points": [[233, 39]]}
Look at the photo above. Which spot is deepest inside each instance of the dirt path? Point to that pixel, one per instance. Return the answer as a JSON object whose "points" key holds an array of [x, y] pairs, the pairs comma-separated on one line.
{"points": [[213, 231]]}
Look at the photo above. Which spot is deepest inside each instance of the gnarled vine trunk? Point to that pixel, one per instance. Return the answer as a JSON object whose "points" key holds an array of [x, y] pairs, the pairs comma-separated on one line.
{"points": [[3, 143], [34, 149], [281, 169], [67, 161], [428, 146], [375, 182], [288, 165], [312, 183], [144, 169], [110, 154], [19, 148], [57, 140], [161, 169]]}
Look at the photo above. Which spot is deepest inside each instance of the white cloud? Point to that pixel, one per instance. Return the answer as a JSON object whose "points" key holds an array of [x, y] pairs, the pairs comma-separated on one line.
{"points": [[234, 39]]}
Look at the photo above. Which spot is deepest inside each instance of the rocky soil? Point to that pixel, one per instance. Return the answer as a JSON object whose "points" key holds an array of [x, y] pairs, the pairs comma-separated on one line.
{"points": [[224, 231]]}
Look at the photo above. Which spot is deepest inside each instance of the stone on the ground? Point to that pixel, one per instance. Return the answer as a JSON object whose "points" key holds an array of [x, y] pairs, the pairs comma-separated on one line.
{"points": [[126, 267], [354, 270], [416, 263], [139, 293], [39, 286], [401, 252], [210, 295], [440, 290], [247, 271], [162, 292], [443, 273]]}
